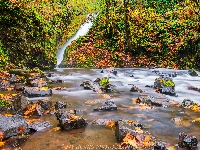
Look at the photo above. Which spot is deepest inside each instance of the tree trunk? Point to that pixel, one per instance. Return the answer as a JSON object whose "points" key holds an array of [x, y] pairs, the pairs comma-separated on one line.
{"points": [[128, 44]]}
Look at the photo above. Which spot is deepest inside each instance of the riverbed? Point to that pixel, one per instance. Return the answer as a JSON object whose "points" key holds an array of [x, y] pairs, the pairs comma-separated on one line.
{"points": [[163, 122]]}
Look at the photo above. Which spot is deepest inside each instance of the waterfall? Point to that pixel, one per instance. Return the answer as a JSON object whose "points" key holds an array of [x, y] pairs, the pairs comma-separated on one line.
{"points": [[81, 31]]}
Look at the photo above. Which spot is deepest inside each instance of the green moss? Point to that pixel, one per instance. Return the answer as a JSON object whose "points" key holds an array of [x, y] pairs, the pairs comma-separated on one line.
{"points": [[104, 82], [5, 104], [167, 82]]}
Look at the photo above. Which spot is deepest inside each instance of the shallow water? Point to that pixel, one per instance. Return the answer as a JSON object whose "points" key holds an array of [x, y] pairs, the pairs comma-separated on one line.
{"points": [[164, 123]]}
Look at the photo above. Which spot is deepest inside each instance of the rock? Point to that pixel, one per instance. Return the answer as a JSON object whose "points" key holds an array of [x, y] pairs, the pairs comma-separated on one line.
{"points": [[87, 85], [187, 102], [108, 105], [136, 89], [122, 128], [37, 92], [192, 72], [13, 125], [15, 141], [194, 88], [34, 109], [60, 105], [151, 67], [19, 87], [38, 126], [20, 103], [4, 84], [159, 146], [186, 141], [68, 121], [148, 100], [165, 85], [114, 72], [46, 104]]}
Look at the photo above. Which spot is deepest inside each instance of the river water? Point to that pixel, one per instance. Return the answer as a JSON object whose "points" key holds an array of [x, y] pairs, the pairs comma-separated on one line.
{"points": [[163, 122]]}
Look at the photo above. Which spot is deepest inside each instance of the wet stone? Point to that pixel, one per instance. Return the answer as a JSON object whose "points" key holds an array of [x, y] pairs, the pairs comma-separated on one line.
{"points": [[108, 105], [159, 146], [192, 72], [20, 102], [187, 102], [60, 105], [122, 128], [19, 87], [186, 141], [34, 109], [165, 85], [68, 121], [36, 92], [38, 126], [4, 84], [87, 85], [136, 89], [13, 125], [149, 100], [46, 104], [15, 141]]}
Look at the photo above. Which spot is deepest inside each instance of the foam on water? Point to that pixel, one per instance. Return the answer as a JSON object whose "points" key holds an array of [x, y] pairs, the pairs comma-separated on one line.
{"points": [[141, 77]]}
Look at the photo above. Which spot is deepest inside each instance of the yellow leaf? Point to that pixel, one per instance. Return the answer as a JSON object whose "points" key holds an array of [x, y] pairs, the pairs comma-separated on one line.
{"points": [[2, 144], [147, 138]]}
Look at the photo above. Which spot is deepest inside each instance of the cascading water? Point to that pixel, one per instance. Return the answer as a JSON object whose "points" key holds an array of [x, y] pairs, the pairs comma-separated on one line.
{"points": [[81, 31]]}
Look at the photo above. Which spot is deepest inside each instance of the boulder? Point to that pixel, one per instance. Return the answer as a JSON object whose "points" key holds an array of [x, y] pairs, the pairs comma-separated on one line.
{"points": [[186, 141], [165, 85], [149, 100], [38, 126], [15, 141], [37, 92], [69, 122], [46, 104], [159, 146], [20, 102], [108, 105], [13, 125], [60, 105]]}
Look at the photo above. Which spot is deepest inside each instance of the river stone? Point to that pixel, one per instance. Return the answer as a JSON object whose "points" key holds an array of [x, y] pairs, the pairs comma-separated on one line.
{"points": [[20, 102], [46, 104], [186, 141], [19, 87], [159, 146], [69, 122], [36, 92], [38, 126], [122, 128], [15, 141], [13, 125], [149, 100], [60, 105], [108, 105]]}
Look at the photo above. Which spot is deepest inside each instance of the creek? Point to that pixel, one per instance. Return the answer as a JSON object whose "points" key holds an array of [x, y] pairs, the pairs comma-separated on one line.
{"points": [[163, 122]]}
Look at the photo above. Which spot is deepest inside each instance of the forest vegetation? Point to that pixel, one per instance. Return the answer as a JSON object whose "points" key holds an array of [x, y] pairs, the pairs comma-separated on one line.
{"points": [[139, 34], [126, 33]]}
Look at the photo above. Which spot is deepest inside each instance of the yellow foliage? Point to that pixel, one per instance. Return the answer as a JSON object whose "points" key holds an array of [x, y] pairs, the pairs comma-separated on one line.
{"points": [[111, 123], [2, 144]]}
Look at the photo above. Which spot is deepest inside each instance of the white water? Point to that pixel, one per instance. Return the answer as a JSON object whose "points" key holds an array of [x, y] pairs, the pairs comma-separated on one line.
{"points": [[141, 78], [81, 31]]}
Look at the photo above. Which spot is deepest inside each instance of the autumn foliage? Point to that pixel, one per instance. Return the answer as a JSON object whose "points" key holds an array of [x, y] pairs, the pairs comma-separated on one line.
{"points": [[168, 36]]}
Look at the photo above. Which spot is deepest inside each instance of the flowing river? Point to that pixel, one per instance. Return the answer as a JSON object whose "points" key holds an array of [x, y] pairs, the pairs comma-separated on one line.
{"points": [[163, 122]]}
